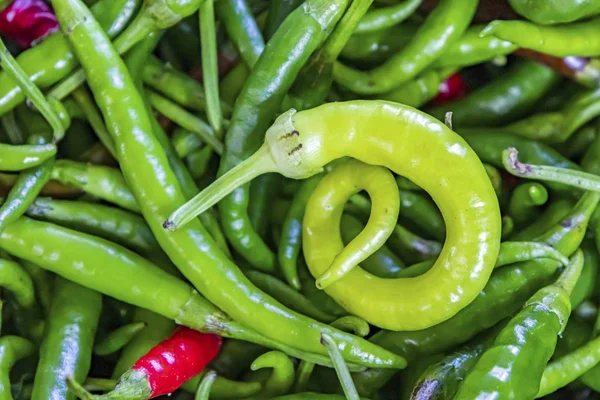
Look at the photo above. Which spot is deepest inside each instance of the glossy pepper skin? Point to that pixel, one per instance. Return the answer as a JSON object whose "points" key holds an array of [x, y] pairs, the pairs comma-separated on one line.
{"points": [[442, 27], [290, 243], [154, 185], [442, 379], [12, 349], [299, 144], [27, 21], [524, 347], [506, 291], [66, 350], [111, 223], [578, 38], [32, 180], [20, 157], [104, 182], [53, 59], [165, 367], [555, 11], [257, 105], [504, 99], [62, 249]]}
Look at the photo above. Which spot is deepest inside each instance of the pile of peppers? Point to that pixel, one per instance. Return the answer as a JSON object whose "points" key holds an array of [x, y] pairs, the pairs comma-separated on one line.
{"points": [[288, 199]]}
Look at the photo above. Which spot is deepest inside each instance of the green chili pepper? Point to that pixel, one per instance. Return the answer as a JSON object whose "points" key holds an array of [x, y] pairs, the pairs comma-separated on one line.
{"points": [[472, 49], [504, 99], [12, 349], [106, 183], [490, 143], [28, 319], [314, 80], [262, 96], [50, 108], [16, 279], [117, 339], [155, 15], [224, 388], [555, 12], [52, 60], [376, 47], [186, 120], [31, 181], [42, 283], [579, 142], [523, 348], [289, 150], [561, 372], [77, 256], [262, 191], [242, 29], [585, 285], [506, 291], [420, 90], [85, 102], [278, 12], [525, 202], [231, 85], [446, 23], [235, 357], [176, 85], [291, 232], [442, 379], [119, 226], [552, 214], [185, 142], [136, 60], [20, 157], [318, 297], [66, 350], [559, 41], [385, 17], [281, 379], [287, 296]]}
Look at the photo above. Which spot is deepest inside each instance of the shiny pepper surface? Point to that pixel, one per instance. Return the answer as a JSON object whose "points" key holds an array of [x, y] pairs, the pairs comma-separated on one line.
{"points": [[412, 144]]}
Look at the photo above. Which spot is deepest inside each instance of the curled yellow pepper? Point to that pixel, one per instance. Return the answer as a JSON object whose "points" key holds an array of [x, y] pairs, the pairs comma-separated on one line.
{"points": [[411, 144]]}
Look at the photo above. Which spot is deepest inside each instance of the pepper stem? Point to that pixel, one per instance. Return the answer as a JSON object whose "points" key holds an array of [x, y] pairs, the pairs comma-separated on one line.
{"points": [[568, 279], [257, 164], [578, 179], [340, 367]]}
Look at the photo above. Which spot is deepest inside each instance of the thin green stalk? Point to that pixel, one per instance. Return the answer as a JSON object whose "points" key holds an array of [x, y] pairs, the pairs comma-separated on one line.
{"points": [[578, 179], [210, 68], [340, 366], [33, 93]]}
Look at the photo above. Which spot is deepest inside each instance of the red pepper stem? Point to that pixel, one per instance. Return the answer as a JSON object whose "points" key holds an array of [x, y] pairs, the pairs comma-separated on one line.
{"points": [[133, 385]]}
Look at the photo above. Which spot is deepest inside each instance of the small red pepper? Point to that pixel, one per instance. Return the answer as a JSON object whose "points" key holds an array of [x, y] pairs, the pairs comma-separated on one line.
{"points": [[163, 369], [27, 22], [451, 89]]}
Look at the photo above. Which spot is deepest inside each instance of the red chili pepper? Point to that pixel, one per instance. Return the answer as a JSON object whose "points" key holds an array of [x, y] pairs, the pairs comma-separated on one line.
{"points": [[27, 21], [163, 369], [451, 89]]}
